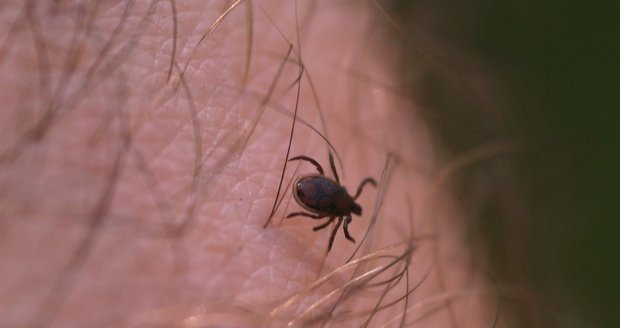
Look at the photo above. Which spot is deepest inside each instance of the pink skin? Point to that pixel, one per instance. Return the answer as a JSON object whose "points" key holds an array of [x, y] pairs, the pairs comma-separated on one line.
{"points": [[128, 197]]}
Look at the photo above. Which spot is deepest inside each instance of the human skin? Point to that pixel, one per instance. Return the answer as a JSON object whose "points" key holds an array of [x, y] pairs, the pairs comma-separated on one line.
{"points": [[134, 191]]}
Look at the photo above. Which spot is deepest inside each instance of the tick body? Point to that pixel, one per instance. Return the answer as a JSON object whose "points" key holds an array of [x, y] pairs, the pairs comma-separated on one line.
{"points": [[324, 197]]}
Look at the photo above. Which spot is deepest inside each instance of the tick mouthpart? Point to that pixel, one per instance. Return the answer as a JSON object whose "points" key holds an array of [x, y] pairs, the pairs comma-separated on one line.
{"points": [[356, 209]]}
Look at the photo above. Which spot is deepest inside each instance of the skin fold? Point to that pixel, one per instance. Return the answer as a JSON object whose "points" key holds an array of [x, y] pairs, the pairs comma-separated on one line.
{"points": [[141, 148]]}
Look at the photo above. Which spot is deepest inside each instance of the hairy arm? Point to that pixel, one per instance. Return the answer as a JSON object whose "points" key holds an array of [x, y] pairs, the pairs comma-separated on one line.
{"points": [[141, 149]]}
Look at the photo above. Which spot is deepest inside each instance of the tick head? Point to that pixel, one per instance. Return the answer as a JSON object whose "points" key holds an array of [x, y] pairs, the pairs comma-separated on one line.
{"points": [[356, 209]]}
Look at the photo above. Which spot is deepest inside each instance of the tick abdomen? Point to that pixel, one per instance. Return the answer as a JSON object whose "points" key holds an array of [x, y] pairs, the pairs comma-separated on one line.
{"points": [[323, 195]]}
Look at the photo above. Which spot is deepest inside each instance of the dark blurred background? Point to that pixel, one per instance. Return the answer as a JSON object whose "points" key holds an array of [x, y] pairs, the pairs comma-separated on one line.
{"points": [[543, 75]]}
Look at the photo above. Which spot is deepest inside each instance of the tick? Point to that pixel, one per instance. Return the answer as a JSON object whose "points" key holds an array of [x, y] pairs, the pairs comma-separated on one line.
{"points": [[325, 197]]}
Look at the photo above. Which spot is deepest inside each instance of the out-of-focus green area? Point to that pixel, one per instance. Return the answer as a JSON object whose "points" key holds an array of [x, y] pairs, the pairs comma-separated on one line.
{"points": [[559, 67]]}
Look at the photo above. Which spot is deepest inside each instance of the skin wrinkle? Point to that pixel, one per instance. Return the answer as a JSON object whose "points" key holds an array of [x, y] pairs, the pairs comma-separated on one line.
{"points": [[183, 231]]}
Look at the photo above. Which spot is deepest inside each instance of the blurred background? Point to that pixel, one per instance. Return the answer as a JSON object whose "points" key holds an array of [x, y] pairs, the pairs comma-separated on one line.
{"points": [[539, 79]]}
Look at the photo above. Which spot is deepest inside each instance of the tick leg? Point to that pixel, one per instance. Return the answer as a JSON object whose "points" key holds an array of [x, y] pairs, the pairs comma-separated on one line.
{"points": [[306, 158], [366, 181], [322, 226], [347, 220], [331, 238], [331, 163], [308, 215]]}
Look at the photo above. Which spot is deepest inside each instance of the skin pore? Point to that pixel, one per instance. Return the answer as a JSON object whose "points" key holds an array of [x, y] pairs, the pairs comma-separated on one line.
{"points": [[141, 148]]}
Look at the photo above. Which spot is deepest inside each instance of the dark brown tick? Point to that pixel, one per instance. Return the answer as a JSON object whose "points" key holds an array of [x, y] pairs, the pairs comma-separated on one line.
{"points": [[325, 197]]}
